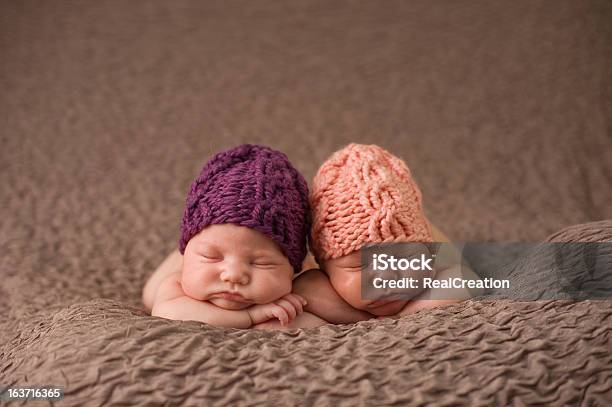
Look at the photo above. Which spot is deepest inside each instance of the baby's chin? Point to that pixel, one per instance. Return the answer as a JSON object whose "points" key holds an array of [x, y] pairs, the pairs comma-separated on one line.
{"points": [[227, 304]]}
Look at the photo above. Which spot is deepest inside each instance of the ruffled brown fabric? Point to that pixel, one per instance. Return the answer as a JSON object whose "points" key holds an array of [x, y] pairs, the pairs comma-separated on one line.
{"points": [[501, 109]]}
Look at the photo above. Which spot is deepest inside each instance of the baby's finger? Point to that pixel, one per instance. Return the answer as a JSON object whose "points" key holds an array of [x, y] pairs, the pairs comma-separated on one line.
{"points": [[280, 313], [287, 306], [297, 304], [301, 299]]}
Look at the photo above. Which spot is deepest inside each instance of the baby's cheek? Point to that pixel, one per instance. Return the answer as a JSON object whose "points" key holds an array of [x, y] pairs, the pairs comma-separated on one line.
{"points": [[284, 287], [194, 285], [349, 288], [275, 288]]}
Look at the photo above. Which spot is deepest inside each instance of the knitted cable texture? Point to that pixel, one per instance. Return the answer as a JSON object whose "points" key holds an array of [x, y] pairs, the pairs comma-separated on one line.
{"points": [[252, 186], [363, 194]]}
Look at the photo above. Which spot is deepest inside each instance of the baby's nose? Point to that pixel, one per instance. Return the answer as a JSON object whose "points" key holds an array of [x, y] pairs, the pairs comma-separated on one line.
{"points": [[235, 274]]}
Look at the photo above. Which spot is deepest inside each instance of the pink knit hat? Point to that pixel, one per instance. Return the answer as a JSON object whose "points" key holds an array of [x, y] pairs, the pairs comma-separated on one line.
{"points": [[363, 194]]}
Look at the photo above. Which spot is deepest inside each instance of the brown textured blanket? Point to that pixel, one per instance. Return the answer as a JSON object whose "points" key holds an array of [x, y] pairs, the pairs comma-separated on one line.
{"points": [[108, 109]]}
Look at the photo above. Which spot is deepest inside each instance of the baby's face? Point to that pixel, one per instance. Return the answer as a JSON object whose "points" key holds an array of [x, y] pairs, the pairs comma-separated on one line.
{"points": [[345, 276], [235, 267]]}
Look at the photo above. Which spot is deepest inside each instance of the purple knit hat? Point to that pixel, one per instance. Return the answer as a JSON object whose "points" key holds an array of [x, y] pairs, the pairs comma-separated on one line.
{"points": [[252, 186]]}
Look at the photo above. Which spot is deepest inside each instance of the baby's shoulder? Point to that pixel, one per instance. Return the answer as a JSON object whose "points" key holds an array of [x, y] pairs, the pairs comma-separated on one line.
{"points": [[169, 288]]}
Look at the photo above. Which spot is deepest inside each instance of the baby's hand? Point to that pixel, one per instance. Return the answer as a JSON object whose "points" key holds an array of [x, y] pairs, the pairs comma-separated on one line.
{"points": [[284, 309]]}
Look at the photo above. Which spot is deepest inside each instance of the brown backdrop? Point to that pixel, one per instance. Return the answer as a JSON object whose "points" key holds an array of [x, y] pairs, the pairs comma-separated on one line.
{"points": [[109, 108]]}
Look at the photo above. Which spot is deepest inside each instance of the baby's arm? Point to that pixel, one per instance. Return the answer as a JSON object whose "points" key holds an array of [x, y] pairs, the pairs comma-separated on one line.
{"points": [[184, 308], [171, 264], [304, 320], [324, 301], [172, 303]]}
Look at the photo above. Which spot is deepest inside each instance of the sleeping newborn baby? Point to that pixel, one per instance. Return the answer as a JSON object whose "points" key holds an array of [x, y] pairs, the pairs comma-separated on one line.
{"points": [[364, 195], [243, 236]]}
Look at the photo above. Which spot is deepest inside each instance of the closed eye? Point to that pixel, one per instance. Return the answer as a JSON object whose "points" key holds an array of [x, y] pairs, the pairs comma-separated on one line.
{"points": [[350, 265], [264, 264], [211, 257]]}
